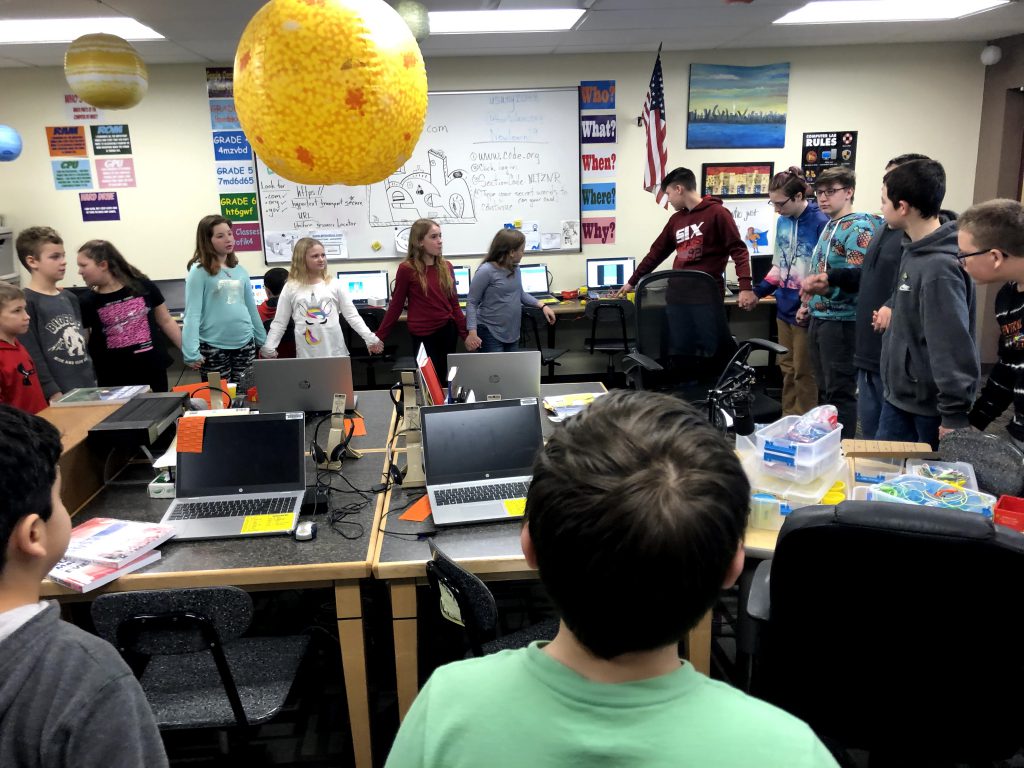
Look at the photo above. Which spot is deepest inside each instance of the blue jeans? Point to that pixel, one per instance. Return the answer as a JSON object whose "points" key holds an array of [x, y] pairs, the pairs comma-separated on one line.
{"points": [[490, 344], [869, 402], [897, 424]]}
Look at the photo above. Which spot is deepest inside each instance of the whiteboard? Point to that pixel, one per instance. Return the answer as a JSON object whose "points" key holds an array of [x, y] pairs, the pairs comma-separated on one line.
{"points": [[485, 160]]}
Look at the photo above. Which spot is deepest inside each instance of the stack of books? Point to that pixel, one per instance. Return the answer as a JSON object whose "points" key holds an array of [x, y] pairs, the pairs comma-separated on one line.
{"points": [[102, 549]]}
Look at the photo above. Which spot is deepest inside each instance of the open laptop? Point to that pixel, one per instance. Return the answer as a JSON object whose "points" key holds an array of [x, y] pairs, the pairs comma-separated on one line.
{"points": [[258, 289], [605, 276], [534, 279], [363, 286], [498, 375], [462, 277], [478, 458], [303, 383], [248, 480]]}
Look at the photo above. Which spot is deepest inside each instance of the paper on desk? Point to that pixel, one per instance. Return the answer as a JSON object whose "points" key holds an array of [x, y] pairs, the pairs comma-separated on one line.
{"points": [[170, 458], [359, 424], [418, 512], [190, 435]]}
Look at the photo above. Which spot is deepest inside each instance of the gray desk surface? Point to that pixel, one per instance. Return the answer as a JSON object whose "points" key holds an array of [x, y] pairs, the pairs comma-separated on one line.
{"points": [[484, 548], [260, 560]]}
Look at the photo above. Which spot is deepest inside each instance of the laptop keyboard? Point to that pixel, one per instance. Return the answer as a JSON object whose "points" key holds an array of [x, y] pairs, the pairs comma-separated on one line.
{"points": [[200, 510], [481, 493]]}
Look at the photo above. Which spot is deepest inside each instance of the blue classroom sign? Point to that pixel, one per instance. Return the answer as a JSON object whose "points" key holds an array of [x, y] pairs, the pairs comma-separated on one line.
{"points": [[598, 197], [597, 94], [231, 145]]}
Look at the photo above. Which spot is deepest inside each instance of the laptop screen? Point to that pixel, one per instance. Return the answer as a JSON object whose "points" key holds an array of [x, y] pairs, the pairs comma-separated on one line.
{"points": [[609, 273], [256, 453], [258, 290], [534, 277], [480, 441], [361, 286], [462, 281]]}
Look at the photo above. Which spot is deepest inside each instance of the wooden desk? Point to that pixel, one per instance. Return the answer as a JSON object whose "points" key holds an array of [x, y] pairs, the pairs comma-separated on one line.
{"points": [[81, 470], [273, 562]]}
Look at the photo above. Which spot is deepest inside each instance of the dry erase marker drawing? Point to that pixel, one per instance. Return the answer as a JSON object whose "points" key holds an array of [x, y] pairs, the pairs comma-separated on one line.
{"points": [[437, 193]]}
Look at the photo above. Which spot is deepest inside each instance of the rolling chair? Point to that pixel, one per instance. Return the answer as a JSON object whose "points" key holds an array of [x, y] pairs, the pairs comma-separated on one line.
{"points": [[683, 342], [186, 649], [463, 599], [894, 628], [532, 321], [608, 314]]}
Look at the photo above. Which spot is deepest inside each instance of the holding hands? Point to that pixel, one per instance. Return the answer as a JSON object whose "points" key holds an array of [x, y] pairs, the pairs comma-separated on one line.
{"points": [[472, 342], [880, 319], [814, 285], [376, 349], [747, 300]]}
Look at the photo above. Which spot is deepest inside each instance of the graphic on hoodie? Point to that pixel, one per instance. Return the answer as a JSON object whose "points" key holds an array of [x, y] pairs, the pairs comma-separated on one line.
{"points": [[316, 311]]}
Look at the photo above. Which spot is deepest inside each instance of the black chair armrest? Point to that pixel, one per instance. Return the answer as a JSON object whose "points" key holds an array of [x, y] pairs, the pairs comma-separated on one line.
{"points": [[642, 360], [759, 602]]}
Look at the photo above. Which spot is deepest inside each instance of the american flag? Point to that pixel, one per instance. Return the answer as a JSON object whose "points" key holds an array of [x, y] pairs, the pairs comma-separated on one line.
{"points": [[654, 126]]}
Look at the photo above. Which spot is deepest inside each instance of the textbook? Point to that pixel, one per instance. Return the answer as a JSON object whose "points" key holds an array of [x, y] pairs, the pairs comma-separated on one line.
{"points": [[100, 395], [84, 577], [115, 543], [564, 406]]}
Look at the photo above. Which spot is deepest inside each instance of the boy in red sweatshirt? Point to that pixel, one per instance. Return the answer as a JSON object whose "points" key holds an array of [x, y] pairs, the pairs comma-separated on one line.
{"points": [[702, 234], [19, 383]]}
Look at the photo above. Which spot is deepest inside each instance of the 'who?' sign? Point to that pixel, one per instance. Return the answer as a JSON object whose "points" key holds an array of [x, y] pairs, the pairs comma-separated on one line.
{"points": [[597, 94], [231, 145]]}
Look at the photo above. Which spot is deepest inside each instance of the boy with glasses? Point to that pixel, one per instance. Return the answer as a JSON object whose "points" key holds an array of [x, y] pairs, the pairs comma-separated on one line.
{"points": [[991, 242], [929, 360], [832, 332]]}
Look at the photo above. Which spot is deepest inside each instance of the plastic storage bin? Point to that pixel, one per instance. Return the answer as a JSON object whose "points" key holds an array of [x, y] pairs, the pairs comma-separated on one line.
{"points": [[790, 469], [956, 469], [872, 471], [772, 498], [773, 445], [1010, 512], [914, 489]]}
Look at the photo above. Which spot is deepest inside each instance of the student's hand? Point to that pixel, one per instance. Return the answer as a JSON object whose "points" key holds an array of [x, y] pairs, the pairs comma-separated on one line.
{"points": [[267, 353], [56, 396], [943, 431], [881, 318], [472, 342], [621, 293], [549, 314], [376, 349], [195, 365], [803, 315], [815, 285], [747, 300]]}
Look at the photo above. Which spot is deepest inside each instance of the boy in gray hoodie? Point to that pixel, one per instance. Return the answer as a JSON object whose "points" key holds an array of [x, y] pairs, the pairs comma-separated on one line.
{"points": [[929, 362]]}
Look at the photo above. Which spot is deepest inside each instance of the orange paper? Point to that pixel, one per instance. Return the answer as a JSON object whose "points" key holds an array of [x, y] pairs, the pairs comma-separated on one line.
{"points": [[190, 434], [418, 512], [360, 427]]}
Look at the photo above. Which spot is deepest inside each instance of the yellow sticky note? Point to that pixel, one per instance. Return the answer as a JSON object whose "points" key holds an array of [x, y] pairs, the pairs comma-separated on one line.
{"points": [[267, 523], [515, 507]]}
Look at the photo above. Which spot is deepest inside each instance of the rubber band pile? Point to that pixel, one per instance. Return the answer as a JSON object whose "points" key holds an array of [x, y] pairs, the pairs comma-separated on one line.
{"points": [[929, 492]]}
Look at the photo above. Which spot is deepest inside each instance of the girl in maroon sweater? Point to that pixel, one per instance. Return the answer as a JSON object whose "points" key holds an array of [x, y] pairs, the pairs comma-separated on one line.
{"points": [[427, 281]]}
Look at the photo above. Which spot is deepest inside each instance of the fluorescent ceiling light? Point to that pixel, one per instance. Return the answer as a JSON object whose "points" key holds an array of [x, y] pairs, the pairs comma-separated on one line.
{"points": [[865, 11], [467, 22], [66, 30]]}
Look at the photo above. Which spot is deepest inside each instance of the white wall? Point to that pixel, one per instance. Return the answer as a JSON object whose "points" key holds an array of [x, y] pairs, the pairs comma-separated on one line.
{"points": [[907, 98]]}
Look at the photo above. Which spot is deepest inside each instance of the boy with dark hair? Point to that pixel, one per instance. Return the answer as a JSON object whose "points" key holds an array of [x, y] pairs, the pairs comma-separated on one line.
{"points": [[832, 330], [19, 384], [66, 697], [991, 241], [929, 359], [56, 337], [635, 519], [273, 283], [702, 234]]}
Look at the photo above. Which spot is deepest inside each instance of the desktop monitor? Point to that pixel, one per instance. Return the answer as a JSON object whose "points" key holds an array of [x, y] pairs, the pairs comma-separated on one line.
{"points": [[534, 277], [462, 275], [258, 290], [174, 294], [363, 286], [609, 273]]}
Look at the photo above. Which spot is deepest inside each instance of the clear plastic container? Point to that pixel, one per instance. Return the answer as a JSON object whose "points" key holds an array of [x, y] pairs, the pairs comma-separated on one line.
{"points": [[794, 495], [914, 489], [773, 445], [788, 468], [944, 471], [767, 512]]}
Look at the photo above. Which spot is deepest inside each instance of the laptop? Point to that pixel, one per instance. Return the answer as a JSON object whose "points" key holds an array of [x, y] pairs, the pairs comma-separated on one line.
{"points": [[498, 375], [174, 294], [258, 289], [478, 459], [363, 286], [248, 480], [534, 278], [462, 275], [303, 383], [606, 276]]}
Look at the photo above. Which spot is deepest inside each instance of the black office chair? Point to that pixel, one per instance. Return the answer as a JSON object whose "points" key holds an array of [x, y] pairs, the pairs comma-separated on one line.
{"points": [[533, 321], [186, 648], [895, 628], [683, 340], [373, 317], [463, 599], [611, 316]]}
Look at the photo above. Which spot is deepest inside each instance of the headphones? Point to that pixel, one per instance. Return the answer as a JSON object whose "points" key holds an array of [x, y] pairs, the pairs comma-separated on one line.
{"points": [[337, 453]]}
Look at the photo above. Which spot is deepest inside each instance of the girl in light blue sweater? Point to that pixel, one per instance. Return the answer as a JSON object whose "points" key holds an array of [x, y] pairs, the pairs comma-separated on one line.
{"points": [[496, 295], [222, 325]]}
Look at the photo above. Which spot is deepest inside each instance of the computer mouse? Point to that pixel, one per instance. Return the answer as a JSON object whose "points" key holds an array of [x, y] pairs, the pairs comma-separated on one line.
{"points": [[305, 530]]}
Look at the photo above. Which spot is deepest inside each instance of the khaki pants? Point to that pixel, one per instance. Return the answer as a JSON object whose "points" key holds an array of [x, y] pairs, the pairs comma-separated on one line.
{"points": [[799, 389]]}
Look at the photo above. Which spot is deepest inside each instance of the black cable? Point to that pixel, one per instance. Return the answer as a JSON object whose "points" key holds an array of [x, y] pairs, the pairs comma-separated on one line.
{"points": [[212, 389]]}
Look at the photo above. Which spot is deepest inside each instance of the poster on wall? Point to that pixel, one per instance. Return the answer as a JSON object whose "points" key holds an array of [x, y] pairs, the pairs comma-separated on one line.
{"points": [[737, 107], [597, 94], [755, 220], [736, 179], [598, 129], [598, 197], [66, 140], [71, 174], [115, 172], [111, 139], [827, 150], [99, 206], [220, 82], [599, 230], [78, 111], [598, 162]]}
